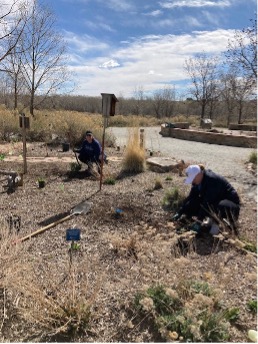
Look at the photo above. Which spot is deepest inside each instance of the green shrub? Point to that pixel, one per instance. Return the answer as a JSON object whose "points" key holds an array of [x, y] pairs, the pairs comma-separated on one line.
{"points": [[253, 158], [75, 167], [189, 312], [252, 306], [232, 314], [172, 199], [109, 181]]}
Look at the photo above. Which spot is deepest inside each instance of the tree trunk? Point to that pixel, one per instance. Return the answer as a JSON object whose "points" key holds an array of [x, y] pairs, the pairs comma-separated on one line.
{"points": [[32, 104]]}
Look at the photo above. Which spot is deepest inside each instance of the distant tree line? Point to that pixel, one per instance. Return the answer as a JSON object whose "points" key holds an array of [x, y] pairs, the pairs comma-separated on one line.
{"points": [[33, 72]]}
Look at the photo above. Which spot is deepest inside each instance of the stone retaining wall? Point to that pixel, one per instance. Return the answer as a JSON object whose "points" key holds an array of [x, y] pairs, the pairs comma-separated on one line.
{"points": [[247, 127], [210, 137]]}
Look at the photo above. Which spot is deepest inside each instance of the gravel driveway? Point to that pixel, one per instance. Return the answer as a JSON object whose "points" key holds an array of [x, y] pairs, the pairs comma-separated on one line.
{"points": [[226, 160]]}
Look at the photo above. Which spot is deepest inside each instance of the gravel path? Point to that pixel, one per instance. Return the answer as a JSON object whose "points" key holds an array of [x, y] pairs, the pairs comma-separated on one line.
{"points": [[226, 160]]}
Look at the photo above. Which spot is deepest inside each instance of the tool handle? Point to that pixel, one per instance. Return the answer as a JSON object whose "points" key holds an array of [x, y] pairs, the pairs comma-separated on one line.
{"points": [[43, 229]]}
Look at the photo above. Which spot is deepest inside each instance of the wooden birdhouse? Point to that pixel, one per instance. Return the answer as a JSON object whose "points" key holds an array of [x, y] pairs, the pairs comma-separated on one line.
{"points": [[109, 101]]}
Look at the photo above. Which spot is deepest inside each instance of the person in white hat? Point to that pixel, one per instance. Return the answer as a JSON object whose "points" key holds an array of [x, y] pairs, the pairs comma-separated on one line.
{"points": [[210, 194]]}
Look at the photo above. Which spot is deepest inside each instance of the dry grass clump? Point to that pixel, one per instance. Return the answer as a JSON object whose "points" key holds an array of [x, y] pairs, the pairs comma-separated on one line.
{"points": [[125, 247], [69, 126], [59, 309], [134, 121], [51, 307], [14, 266], [9, 124], [134, 158], [12, 256]]}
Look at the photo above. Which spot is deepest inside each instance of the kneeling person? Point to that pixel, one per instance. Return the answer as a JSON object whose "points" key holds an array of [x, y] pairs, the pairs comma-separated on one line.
{"points": [[90, 151], [210, 194]]}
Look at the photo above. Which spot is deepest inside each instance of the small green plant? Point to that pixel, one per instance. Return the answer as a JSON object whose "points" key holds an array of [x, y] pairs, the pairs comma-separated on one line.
{"points": [[189, 310], [110, 181], [172, 199], [2, 157], [41, 182], [158, 184], [168, 178], [253, 158], [250, 247], [75, 167], [75, 246], [252, 306], [232, 314], [41, 179], [201, 287]]}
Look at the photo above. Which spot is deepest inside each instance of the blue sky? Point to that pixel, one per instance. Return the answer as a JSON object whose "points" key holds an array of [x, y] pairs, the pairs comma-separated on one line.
{"points": [[120, 46]]}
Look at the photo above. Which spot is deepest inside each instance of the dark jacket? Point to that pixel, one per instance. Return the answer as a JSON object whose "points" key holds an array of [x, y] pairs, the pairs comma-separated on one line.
{"points": [[212, 190], [90, 151]]}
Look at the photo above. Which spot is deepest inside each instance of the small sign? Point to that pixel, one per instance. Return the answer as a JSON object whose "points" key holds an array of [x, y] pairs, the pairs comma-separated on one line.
{"points": [[73, 234]]}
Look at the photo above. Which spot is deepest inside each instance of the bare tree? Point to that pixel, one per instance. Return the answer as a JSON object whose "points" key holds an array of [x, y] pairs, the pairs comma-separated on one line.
{"points": [[242, 52], [43, 60], [10, 27], [11, 65], [139, 97], [164, 101], [203, 73]]}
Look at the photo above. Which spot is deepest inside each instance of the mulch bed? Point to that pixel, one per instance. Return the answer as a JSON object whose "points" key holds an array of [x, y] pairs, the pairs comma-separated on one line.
{"points": [[127, 244]]}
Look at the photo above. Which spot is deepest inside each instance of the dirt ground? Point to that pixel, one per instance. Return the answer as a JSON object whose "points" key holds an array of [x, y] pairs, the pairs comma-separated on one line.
{"points": [[127, 244]]}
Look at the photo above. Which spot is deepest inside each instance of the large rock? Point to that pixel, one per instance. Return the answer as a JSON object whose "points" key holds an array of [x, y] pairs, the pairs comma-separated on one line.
{"points": [[166, 164]]}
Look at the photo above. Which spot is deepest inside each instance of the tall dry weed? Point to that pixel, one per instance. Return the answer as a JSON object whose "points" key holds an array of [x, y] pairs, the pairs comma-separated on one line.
{"points": [[50, 305], [134, 159], [57, 308], [14, 266]]}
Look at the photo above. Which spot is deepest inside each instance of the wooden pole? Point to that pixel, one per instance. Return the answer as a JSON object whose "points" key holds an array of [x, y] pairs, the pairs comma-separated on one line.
{"points": [[142, 143], [106, 103], [24, 144], [102, 157]]}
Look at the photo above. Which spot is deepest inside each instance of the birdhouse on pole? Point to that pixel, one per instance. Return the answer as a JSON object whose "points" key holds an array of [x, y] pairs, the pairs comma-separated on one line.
{"points": [[108, 105], [108, 109]]}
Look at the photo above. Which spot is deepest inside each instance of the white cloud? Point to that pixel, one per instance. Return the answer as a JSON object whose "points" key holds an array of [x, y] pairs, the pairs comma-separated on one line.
{"points": [[84, 43], [109, 64], [118, 5], [195, 3], [151, 61], [98, 24], [155, 13]]}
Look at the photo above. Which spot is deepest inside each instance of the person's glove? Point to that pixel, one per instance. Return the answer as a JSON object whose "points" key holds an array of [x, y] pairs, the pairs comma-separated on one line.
{"points": [[176, 217], [196, 227], [76, 150]]}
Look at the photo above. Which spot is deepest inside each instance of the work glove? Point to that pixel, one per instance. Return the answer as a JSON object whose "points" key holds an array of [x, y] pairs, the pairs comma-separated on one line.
{"points": [[176, 217], [196, 227], [76, 150]]}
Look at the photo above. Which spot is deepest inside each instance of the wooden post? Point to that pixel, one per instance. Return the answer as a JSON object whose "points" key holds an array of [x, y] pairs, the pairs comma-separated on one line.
{"points": [[108, 109], [23, 126], [105, 112], [142, 138]]}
